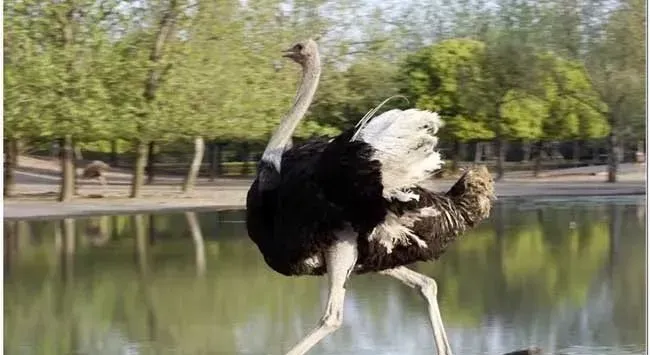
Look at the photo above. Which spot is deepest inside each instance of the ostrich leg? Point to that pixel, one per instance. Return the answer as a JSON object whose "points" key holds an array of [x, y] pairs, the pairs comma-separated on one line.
{"points": [[102, 181], [429, 290], [340, 259]]}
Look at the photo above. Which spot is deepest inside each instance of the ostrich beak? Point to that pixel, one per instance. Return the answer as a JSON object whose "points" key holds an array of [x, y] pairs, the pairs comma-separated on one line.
{"points": [[288, 53]]}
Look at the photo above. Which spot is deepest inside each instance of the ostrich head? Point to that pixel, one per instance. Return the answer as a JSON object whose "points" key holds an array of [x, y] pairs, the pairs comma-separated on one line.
{"points": [[303, 52]]}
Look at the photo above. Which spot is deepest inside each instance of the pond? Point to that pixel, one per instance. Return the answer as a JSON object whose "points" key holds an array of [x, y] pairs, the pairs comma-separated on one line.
{"points": [[567, 275]]}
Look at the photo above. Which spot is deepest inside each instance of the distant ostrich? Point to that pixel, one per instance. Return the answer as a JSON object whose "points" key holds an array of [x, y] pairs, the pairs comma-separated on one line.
{"points": [[354, 204], [96, 169]]}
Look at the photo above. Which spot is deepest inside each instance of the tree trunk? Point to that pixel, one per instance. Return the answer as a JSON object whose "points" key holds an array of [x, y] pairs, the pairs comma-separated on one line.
{"points": [[150, 162], [166, 30], [457, 156], [138, 169], [219, 159], [525, 147], [10, 164], [478, 153], [10, 237], [76, 154], [115, 221], [68, 249], [615, 230], [462, 151], [152, 229], [595, 152], [488, 150], [620, 151], [501, 155], [190, 179], [113, 157], [538, 158], [67, 169], [69, 240], [215, 160], [197, 237], [212, 157], [245, 168], [612, 157], [576, 151], [141, 241]]}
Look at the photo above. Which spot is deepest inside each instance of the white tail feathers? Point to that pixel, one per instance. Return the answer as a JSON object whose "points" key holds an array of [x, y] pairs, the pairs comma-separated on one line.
{"points": [[405, 145]]}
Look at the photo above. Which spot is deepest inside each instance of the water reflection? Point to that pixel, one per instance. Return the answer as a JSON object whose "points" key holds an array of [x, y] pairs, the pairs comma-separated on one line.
{"points": [[568, 277]]}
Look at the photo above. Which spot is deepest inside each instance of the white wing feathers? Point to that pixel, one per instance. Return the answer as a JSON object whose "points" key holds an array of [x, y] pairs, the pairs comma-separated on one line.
{"points": [[405, 145]]}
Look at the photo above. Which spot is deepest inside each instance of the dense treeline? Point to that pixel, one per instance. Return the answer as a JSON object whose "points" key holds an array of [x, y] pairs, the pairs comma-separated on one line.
{"points": [[92, 73]]}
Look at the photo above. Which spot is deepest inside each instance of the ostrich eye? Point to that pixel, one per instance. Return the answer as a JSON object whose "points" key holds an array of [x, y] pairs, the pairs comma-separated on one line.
{"points": [[298, 47]]}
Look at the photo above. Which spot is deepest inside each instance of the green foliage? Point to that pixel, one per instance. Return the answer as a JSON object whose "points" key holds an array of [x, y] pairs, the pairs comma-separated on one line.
{"points": [[616, 67], [570, 117], [465, 80], [329, 107], [344, 97], [439, 78], [522, 116], [522, 71], [54, 52], [123, 75]]}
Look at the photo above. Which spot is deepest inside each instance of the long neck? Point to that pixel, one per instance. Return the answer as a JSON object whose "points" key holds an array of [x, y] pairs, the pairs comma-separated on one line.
{"points": [[280, 139]]}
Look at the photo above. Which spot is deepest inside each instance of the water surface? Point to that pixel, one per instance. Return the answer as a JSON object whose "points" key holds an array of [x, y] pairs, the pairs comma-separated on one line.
{"points": [[567, 275]]}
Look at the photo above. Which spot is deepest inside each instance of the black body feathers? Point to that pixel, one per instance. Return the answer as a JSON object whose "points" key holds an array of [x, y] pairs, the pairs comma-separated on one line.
{"points": [[325, 187]]}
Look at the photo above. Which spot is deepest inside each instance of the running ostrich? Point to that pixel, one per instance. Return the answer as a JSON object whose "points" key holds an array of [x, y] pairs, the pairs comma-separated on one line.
{"points": [[96, 169], [354, 204]]}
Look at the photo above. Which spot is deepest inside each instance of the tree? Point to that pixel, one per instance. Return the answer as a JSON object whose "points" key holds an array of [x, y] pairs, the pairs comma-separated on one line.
{"points": [[23, 84], [616, 68], [191, 100], [569, 118], [441, 78], [168, 14], [345, 96], [59, 46], [481, 91]]}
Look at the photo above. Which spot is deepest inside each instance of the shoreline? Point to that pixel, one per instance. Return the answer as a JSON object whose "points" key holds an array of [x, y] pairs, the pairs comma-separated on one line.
{"points": [[168, 199]]}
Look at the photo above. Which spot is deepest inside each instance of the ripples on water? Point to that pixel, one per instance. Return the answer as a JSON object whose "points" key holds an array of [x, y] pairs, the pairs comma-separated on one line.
{"points": [[566, 275]]}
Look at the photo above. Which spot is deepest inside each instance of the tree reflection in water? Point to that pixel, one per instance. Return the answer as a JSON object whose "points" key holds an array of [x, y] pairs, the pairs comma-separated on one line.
{"points": [[567, 277]]}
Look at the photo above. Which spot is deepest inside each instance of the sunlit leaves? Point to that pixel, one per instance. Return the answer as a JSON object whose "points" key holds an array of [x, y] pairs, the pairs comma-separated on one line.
{"points": [[441, 78], [570, 117], [462, 79], [522, 116]]}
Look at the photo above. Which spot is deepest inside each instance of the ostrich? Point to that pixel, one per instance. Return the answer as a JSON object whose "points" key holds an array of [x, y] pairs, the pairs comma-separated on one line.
{"points": [[355, 204], [96, 169]]}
